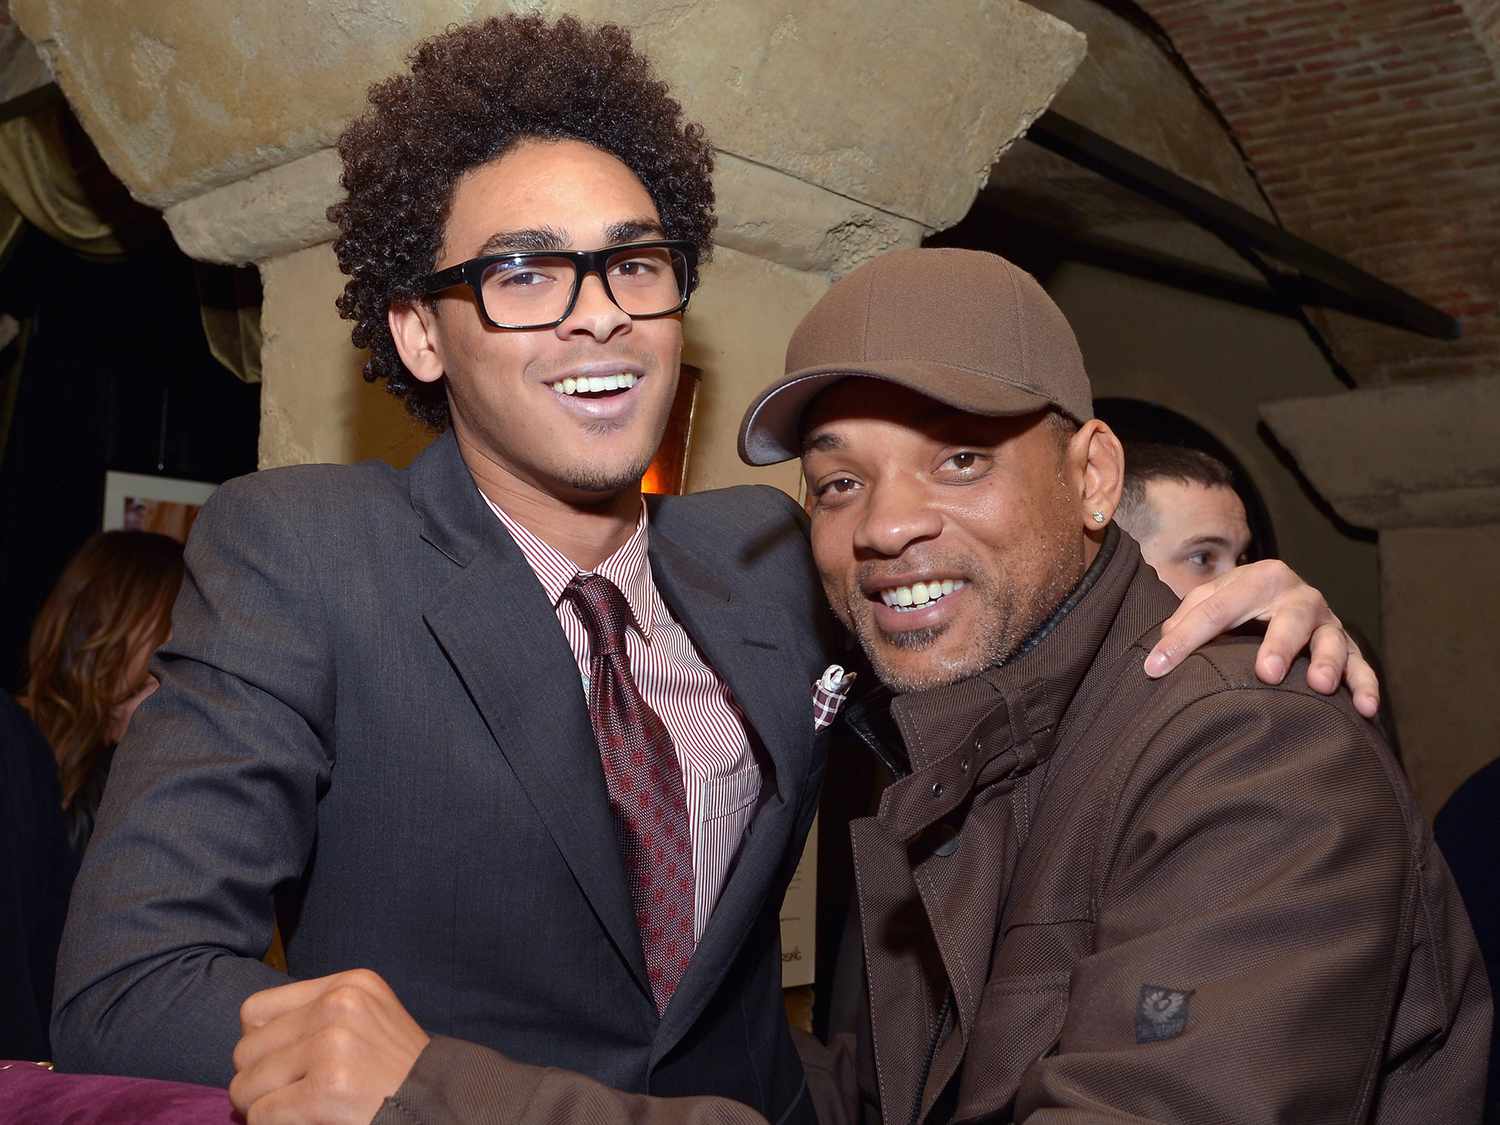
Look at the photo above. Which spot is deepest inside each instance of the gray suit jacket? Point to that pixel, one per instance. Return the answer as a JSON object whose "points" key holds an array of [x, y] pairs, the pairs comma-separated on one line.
{"points": [[370, 715]]}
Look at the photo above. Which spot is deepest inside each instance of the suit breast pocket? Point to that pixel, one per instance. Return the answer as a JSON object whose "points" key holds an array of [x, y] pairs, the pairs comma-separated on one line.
{"points": [[1019, 1020], [726, 796]]}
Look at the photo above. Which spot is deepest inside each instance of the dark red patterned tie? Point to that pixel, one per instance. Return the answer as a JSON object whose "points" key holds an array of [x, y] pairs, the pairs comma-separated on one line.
{"points": [[645, 789]]}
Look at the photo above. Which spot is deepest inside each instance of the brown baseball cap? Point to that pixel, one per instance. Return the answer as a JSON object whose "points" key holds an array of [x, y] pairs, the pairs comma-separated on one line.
{"points": [[963, 327]]}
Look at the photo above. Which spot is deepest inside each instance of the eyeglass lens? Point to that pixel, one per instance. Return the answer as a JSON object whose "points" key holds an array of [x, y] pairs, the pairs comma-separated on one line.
{"points": [[643, 281]]}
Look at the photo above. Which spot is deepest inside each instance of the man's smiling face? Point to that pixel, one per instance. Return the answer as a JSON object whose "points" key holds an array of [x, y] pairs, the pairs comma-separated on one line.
{"points": [[503, 385], [944, 539]]}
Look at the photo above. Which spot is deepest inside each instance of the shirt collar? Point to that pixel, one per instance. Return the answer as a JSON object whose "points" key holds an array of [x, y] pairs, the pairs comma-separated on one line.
{"points": [[628, 567]]}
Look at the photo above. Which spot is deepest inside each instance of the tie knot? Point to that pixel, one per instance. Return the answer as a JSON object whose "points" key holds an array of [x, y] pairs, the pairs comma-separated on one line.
{"points": [[603, 610]]}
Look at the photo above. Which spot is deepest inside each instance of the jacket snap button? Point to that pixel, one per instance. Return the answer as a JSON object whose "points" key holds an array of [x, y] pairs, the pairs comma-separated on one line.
{"points": [[963, 764], [937, 788]]}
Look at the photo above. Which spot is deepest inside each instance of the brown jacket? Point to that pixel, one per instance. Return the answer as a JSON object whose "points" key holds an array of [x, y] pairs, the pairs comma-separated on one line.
{"points": [[1096, 897]]}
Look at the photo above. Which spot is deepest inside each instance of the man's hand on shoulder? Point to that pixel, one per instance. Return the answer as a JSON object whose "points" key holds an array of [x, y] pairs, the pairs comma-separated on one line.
{"points": [[328, 1050], [1297, 617]]}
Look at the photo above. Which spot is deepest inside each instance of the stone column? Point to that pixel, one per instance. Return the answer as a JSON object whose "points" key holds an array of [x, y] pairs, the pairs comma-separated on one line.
{"points": [[1421, 464], [843, 129]]}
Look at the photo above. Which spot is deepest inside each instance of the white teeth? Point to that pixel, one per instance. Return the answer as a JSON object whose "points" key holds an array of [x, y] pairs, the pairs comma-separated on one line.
{"points": [[919, 594], [594, 384]]}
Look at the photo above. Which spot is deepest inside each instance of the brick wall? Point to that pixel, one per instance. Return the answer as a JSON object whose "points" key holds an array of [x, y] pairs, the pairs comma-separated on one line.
{"points": [[1374, 126]]}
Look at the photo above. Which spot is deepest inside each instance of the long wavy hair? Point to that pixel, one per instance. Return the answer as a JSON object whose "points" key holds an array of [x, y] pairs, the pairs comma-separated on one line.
{"points": [[113, 601]]}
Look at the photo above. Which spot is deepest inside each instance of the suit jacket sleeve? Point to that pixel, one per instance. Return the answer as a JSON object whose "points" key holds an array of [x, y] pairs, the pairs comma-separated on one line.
{"points": [[211, 805], [1254, 893], [458, 1083]]}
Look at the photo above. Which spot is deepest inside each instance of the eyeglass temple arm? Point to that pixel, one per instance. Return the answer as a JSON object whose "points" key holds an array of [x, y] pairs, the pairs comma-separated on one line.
{"points": [[453, 275]]}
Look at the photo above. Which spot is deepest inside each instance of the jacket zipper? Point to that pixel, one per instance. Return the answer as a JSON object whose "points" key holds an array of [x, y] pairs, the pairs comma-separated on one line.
{"points": [[932, 1049]]}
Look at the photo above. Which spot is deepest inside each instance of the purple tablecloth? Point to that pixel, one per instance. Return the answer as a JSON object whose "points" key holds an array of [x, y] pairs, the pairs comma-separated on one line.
{"points": [[37, 1096]]}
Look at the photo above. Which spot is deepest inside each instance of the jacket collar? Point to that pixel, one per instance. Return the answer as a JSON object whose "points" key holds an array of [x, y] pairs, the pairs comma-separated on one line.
{"points": [[1021, 699], [493, 604], [455, 518], [971, 754]]}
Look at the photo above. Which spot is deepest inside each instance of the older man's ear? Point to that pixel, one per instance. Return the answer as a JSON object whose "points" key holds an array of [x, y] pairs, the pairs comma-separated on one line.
{"points": [[1096, 461]]}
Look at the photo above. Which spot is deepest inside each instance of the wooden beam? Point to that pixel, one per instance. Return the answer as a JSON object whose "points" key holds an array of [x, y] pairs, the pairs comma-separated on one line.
{"points": [[1322, 279]]}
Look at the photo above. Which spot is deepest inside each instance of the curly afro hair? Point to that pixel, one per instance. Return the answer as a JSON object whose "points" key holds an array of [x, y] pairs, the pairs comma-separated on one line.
{"points": [[473, 92]]}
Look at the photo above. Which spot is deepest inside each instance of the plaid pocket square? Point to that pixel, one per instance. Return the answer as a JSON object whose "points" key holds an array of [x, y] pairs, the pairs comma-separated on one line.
{"points": [[829, 692]]}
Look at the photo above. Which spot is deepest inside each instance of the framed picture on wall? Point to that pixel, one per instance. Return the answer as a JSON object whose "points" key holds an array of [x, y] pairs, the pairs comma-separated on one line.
{"points": [[165, 505]]}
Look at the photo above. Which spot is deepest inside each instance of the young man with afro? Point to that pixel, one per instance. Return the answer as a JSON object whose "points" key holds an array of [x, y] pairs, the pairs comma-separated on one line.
{"points": [[520, 764]]}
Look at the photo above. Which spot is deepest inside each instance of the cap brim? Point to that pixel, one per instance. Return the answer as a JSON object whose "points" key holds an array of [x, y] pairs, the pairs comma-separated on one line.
{"points": [[771, 429]]}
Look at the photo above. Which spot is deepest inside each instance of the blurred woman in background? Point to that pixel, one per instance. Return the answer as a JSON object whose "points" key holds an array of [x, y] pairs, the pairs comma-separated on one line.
{"points": [[87, 659], [86, 674]]}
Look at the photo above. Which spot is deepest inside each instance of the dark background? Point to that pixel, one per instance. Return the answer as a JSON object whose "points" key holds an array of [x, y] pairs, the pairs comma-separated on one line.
{"points": [[117, 375]]}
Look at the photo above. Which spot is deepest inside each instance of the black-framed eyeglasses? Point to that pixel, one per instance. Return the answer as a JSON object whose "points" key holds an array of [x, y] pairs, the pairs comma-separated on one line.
{"points": [[538, 288]]}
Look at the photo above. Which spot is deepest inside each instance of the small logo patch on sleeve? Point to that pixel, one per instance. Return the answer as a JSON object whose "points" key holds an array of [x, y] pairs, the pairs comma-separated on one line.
{"points": [[1161, 1014]]}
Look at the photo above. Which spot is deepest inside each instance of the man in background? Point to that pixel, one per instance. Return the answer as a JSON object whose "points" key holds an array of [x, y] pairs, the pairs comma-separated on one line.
{"points": [[1180, 505]]}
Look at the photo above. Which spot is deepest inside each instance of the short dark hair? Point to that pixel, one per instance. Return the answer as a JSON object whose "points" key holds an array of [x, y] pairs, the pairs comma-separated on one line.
{"points": [[1063, 426], [472, 93], [1146, 461]]}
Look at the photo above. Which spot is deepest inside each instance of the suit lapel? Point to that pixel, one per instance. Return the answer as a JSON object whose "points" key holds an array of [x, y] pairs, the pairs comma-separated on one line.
{"points": [[498, 629], [742, 639]]}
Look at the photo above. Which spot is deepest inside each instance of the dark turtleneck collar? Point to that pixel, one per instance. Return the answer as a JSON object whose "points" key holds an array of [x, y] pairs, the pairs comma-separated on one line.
{"points": [[1085, 584]]}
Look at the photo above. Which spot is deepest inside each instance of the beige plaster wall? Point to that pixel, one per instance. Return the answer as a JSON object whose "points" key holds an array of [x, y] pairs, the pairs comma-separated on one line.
{"points": [[1442, 605], [736, 331], [315, 405], [1216, 363]]}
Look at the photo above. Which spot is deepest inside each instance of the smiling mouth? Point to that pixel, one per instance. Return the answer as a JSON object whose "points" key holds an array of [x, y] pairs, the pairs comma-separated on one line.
{"points": [[595, 386], [919, 595]]}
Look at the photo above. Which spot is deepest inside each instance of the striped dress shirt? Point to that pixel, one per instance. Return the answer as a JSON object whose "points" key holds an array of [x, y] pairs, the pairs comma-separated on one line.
{"points": [[719, 773]]}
